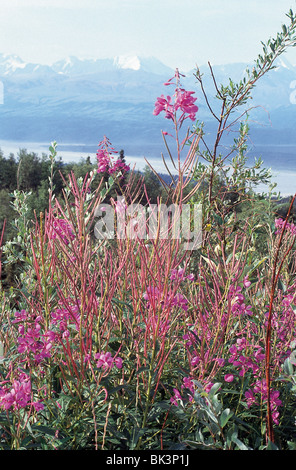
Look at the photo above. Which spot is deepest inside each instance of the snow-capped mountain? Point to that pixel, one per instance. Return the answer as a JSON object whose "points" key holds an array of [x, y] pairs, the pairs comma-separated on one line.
{"points": [[146, 64], [80, 100], [75, 66], [10, 63]]}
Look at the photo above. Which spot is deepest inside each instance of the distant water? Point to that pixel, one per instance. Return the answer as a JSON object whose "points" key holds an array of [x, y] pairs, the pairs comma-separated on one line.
{"points": [[282, 161], [73, 152], [280, 158]]}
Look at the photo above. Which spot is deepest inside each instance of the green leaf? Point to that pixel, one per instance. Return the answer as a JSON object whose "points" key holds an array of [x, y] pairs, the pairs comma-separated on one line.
{"points": [[238, 442], [271, 446], [214, 389], [142, 369], [44, 430], [225, 416], [200, 445], [114, 344], [110, 181], [291, 445], [288, 368], [292, 358], [103, 193], [117, 389]]}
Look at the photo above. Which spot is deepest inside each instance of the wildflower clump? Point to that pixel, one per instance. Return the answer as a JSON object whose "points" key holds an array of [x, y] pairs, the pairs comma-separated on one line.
{"points": [[105, 158], [123, 343]]}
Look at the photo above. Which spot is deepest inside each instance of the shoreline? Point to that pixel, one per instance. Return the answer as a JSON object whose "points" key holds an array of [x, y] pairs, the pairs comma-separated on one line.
{"points": [[284, 176]]}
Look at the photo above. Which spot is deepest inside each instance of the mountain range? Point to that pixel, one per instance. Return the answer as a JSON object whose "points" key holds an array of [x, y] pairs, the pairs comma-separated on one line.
{"points": [[78, 101]]}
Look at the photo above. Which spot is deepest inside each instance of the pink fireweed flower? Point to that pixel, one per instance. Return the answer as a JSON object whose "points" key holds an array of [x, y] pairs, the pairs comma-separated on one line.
{"points": [[152, 294], [119, 166], [287, 300], [66, 334], [238, 303], [229, 377], [275, 417], [260, 389], [118, 362], [190, 338], [232, 349], [251, 399], [51, 336], [62, 317], [293, 229], [183, 101], [220, 361], [155, 297], [105, 156], [106, 361], [242, 343], [188, 383], [246, 282], [38, 406], [20, 316], [34, 343], [279, 225], [234, 290], [63, 229], [195, 361], [180, 274], [103, 159], [180, 301], [164, 104], [120, 207], [17, 396], [208, 387], [176, 397], [177, 274]]}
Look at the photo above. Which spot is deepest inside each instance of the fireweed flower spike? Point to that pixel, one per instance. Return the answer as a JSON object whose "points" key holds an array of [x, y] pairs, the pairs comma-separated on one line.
{"points": [[105, 156], [18, 394], [182, 101]]}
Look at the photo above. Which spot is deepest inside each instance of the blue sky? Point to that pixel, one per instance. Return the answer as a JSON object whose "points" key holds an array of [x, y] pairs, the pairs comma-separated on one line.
{"points": [[181, 33]]}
